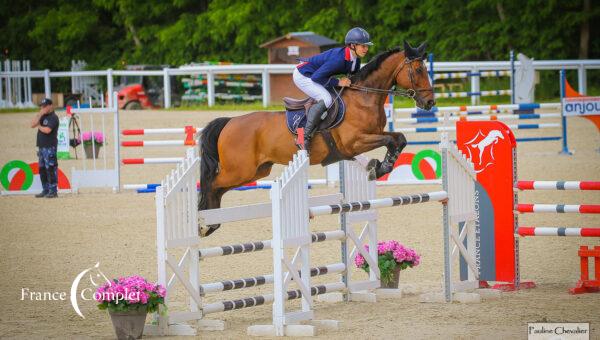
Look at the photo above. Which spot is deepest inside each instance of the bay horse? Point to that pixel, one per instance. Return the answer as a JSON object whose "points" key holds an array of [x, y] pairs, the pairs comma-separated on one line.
{"points": [[239, 150]]}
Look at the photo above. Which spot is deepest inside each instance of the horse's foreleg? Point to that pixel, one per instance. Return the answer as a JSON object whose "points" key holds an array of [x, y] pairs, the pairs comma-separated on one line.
{"points": [[393, 151], [395, 143], [365, 143]]}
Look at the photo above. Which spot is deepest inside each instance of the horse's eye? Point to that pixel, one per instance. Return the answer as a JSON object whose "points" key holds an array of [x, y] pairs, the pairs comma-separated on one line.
{"points": [[419, 70]]}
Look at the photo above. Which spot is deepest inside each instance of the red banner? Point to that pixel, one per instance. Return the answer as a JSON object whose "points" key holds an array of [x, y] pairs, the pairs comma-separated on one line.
{"points": [[489, 145]]}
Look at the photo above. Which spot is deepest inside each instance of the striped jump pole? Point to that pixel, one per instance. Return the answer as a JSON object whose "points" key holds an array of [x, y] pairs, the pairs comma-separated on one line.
{"points": [[478, 117], [519, 140], [162, 131], [558, 231], [144, 143], [259, 300], [378, 203], [165, 160], [497, 108], [469, 94], [151, 186], [559, 208], [262, 245], [255, 281], [558, 185], [458, 75], [266, 184], [422, 113], [453, 128], [310, 182]]}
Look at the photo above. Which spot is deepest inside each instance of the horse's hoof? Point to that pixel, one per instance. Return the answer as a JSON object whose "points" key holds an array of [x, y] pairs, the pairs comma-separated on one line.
{"points": [[372, 175], [372, 164], [372, 169]]}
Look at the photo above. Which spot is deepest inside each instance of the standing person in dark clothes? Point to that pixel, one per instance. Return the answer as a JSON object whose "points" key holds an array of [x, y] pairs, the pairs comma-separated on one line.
{"points": [[46, 121]]}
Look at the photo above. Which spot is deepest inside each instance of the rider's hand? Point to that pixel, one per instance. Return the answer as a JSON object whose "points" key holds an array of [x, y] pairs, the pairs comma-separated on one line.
{"points": [[344, 82]]}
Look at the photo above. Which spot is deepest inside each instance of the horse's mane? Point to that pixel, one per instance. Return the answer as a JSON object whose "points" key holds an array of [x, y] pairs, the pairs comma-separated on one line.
{"points": [[373, 65]]}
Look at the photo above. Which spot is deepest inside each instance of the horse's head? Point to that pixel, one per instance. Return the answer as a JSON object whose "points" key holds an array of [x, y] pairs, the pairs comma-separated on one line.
{"points": [[412, 75]]}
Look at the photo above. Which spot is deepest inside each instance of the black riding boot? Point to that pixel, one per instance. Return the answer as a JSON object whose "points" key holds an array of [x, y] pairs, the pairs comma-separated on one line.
{"points": [[313, 118]]}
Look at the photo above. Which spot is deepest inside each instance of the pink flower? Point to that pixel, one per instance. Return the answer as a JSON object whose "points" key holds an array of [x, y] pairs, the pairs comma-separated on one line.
{"points": [[395, 250], [359, 260], [144, 298], [96, 135]]}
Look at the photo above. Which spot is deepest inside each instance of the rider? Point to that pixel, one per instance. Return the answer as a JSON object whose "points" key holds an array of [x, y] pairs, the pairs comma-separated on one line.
{"points": [[314, 75]]}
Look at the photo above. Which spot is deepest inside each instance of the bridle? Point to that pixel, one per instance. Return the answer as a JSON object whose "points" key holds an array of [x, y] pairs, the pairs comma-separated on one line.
{"points": [[410, 93]]}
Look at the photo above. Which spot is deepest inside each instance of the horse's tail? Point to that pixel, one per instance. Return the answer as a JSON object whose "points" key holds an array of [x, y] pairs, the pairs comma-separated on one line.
{"points": [[209, 162]]}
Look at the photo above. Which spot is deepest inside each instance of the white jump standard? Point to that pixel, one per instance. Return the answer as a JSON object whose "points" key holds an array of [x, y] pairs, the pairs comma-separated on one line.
{"points": [[290, 210]]}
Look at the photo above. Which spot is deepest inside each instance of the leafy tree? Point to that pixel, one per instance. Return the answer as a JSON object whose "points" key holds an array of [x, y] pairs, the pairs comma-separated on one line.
{"points": [[115, 33]]}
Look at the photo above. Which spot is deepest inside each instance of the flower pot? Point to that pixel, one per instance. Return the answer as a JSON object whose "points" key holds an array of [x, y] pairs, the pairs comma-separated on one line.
{"points": [[128, 325], [393, 284], [89, 150]]}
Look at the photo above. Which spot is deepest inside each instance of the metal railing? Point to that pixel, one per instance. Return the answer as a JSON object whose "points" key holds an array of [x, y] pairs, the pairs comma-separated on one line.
{"points": [[266, 69]]}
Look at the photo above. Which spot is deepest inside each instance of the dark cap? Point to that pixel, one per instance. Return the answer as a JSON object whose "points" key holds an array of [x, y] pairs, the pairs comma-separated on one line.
{"points": [[46, 101]]}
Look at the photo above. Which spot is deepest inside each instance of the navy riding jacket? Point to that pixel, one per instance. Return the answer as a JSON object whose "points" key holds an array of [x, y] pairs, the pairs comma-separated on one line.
{"points": [[321, 67]]}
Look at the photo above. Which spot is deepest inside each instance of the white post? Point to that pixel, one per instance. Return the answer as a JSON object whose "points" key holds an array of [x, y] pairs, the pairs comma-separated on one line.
{"points": [[74, 87], [109, 86], [446, 222], [289, 197], [2, 103], [116, 142], [161, 248], [277, 245], [20, 82], [581, 80], [266, 88], [8, 84], [475, 88], [47, 88], [28, 94], [210, 86], [167, 88]]}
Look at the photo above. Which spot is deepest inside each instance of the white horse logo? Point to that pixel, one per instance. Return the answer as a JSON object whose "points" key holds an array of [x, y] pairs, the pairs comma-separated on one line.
{"points": [[75, 285], [481, 144]]}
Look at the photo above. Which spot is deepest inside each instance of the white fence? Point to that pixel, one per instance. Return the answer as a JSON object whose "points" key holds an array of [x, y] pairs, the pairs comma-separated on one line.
{"points": [[266, 69], [291, 207], [100, 171]]}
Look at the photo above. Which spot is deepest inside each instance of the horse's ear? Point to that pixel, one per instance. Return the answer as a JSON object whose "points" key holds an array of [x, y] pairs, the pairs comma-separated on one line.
{"points": [[409, 51], [420, 51]]}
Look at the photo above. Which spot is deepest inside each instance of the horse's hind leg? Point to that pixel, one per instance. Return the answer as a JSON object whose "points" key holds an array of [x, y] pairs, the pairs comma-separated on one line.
{"points": [[232, 181], [397, 143], [214, 201]]}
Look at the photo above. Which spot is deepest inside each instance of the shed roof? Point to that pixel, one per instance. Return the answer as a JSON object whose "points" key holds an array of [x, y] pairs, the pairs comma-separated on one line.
{"points": [[309, 37]]}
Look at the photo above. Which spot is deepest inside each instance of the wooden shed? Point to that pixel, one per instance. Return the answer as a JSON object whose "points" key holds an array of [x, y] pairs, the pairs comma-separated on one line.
{"points": [[285, 50]]}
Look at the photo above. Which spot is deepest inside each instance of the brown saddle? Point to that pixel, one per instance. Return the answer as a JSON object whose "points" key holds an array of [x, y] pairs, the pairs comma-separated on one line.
{"points": [[293, 104]]}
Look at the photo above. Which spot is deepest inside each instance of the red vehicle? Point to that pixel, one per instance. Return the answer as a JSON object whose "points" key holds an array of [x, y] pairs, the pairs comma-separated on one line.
{"points": [[145, 92]]}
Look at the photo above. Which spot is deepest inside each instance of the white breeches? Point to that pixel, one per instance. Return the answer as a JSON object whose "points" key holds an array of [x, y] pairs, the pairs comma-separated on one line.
{"points": [[312, 89]]}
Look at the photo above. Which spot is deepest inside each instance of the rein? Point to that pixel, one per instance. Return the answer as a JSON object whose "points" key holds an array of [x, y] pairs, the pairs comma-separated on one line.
{"points": [[410, 93]]}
